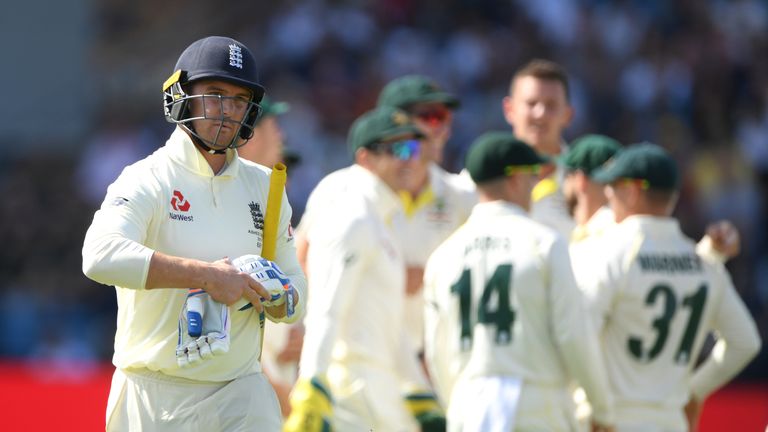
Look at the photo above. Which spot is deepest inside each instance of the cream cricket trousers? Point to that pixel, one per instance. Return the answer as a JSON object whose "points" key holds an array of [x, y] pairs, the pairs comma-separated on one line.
{"points": [[368, 399], [146, 401], [538, 407]]}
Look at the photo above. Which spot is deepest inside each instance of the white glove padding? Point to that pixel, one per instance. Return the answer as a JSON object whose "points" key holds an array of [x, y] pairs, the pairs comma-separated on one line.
{"points": [[203, 329], [269, 275]]}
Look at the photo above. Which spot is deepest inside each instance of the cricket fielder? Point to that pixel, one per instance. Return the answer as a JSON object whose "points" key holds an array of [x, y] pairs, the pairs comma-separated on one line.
{"points": [[539, 110], [163, 236], [506, 322], [358, 370], [435, 201], [655, 300]]}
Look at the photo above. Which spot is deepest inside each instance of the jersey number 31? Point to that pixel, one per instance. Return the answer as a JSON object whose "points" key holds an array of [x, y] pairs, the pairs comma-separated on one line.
{"points": [[662, 324]]}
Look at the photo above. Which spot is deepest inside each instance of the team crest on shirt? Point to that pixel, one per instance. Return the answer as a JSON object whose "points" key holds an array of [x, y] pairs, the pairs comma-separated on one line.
{"points": [[258, 221], [438, 212]]}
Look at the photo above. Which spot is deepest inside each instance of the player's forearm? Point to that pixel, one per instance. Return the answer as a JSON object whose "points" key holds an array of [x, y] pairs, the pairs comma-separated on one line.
{"points": [[166, 271], [705, 249]]}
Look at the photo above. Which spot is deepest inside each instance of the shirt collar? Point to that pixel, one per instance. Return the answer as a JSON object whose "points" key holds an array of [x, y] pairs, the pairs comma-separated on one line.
{"points": [[663, 225], [182, 150], [381, 197], [496, 208]]}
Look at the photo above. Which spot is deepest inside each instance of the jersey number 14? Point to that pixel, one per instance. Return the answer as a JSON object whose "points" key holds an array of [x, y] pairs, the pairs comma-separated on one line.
{"points": [[502, 317]]}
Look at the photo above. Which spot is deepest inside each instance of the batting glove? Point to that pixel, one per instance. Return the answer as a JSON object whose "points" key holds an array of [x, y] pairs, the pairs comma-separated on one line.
{"points": [[311, 407], [204, 326], [281, 306], [424, 407]]}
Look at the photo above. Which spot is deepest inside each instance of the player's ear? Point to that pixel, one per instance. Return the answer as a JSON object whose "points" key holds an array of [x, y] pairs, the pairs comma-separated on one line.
{"points": [[569, 114], [362, 156], [507, 108]]}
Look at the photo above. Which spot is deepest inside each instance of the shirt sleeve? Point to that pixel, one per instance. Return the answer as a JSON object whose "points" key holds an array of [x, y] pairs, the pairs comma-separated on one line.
{"points": [[285, 257], [705, 249], [598, 277], [407, 363], [575, 336], [739, 341], [439, 354], [113, 250], [337, 268]]}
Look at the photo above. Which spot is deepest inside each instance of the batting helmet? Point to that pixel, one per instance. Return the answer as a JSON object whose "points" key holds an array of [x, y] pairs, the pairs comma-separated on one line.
{"points": [[214, 57]]}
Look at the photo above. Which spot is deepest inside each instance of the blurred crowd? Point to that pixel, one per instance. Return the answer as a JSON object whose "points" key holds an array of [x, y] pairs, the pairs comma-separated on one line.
{"points": [[689, 75]]}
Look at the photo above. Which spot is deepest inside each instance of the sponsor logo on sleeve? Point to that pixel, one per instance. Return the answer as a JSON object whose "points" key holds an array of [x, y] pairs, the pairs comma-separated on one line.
{"points": [[119, 201]]}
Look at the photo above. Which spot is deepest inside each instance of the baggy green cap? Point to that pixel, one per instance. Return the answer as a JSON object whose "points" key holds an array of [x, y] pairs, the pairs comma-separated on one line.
{"points": [[412, 89], [589, 152], [381, 124], [495, 155], [270, 108], [644, 161]]}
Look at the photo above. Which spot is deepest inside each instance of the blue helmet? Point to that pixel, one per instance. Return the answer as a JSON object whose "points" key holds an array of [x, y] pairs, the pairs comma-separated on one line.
{"points": [[214, 57]]}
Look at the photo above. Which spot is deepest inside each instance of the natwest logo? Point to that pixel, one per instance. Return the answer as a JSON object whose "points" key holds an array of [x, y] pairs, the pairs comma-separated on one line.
{"points": [[179, 203]]}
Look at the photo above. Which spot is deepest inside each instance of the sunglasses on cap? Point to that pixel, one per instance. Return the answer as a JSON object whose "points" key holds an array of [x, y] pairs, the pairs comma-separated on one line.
{"points": [[644, 184], [403, 149], [522, 169], [433, 116]]}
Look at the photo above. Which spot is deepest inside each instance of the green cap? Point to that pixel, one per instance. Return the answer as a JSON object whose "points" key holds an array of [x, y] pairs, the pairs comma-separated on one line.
{"points": [[495, 155], [645, 161], [291, 158], [270, 108], [381, 124], [412, 89], [589, 152]]}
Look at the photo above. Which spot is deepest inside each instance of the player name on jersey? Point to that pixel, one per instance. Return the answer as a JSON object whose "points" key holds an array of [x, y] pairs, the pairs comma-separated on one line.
{"points": [[485, 243], [687, 263]]}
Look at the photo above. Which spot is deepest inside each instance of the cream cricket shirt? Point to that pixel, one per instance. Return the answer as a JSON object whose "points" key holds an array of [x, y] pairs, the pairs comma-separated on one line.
{"points": [[434, 214], [516, 272], [655, 300], [357, 275], [429, 219], [173, 203], [548, 204]]}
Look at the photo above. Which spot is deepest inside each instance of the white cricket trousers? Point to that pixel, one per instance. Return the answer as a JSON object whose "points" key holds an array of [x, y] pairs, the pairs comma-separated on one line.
{"points": [[146, 401]]}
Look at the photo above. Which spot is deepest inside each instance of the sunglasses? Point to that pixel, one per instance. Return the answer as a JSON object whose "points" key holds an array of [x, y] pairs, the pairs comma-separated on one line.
{"points": [[644, 184], [522, 169], [403, 150], [433, 116]]}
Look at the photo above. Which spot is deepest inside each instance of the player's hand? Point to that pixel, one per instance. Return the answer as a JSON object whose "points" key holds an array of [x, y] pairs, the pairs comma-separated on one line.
{"points": [[204, 327], [725, 238], [692, 413], [414, 280], [425, 409], [282, 297], [311, 407], [227, 285], [291, 353]]}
